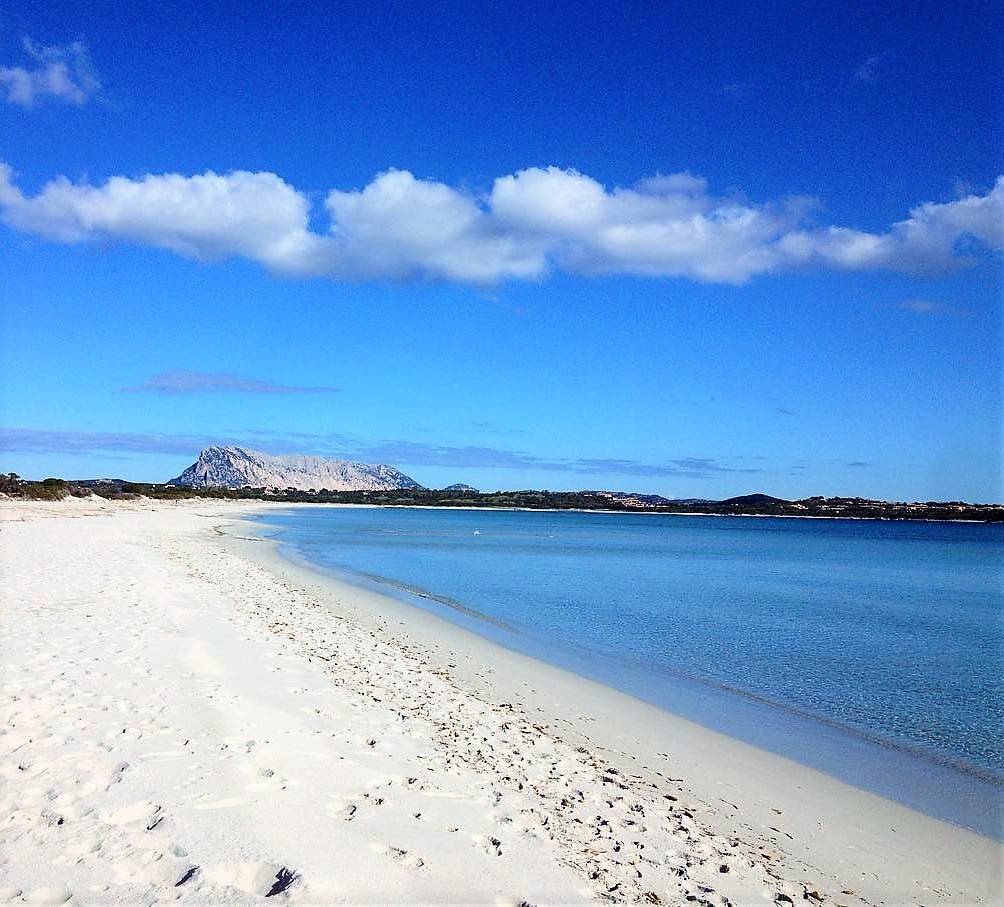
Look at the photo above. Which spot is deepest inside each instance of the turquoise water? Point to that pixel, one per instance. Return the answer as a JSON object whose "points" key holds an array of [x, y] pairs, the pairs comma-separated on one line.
{"points": [[872, 650]]}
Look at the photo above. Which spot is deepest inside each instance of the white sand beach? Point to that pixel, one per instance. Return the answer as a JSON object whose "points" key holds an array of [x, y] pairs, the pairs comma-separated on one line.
{"points": [[188, 716]]}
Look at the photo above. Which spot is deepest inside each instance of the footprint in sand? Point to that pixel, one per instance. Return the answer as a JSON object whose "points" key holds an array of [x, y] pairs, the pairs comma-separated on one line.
{"points": [[150, 868], [54, 894], [261, 879], [399, 856], [262, 779], [143, 810], [81, 847], [124, 734], [489, 844], [342, 810]]}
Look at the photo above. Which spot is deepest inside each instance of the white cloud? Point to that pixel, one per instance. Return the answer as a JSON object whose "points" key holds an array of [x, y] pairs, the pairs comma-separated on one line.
{"points": [[207, 217], [401, 227], [61, 71], [663, 226], [928, 240], [537, 220]]}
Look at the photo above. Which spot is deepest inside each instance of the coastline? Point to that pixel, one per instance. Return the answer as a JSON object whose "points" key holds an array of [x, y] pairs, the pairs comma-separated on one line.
{"points": [[786, 717], [822, 809], [486, 626], [931, 780], [235, 668], [639, 512]]}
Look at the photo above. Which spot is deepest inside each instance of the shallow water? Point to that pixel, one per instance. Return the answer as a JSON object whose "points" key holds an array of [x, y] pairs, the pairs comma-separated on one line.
{"points": [[871, 650]]}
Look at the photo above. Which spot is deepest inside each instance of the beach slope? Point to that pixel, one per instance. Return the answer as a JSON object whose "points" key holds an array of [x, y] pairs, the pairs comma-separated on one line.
{"points": [[185, 716]]}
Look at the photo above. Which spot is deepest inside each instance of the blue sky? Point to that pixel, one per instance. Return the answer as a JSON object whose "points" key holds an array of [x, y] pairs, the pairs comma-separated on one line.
{"points": [[699, 251]]}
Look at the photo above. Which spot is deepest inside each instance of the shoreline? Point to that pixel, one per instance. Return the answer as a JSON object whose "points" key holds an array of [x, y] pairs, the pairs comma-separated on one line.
{"points": [[937, 784], [400, 591], [611, 720], [755, 516], [209, 721]]}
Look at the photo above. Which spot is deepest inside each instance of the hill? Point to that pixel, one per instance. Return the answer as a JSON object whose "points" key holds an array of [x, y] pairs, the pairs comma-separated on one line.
{"points": [[239, 467]]}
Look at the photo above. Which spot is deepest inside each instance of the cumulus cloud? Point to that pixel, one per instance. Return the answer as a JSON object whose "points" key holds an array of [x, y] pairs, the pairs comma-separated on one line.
{"points": [[186, 382], [402, 227], [527, 225], [63, 72], [664, 226], [207, 217]]}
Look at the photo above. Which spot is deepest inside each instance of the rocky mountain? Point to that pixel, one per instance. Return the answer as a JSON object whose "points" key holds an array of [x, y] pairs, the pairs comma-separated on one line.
{"points": [[460, 486], [238, 467]]}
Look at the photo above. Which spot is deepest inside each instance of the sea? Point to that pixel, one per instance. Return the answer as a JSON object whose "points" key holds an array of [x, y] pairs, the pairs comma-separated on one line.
{"points": [[871, 650]]}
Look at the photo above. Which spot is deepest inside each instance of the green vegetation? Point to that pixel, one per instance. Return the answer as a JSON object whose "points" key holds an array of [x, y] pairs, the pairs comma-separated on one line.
{"points": [[46, 490], [748, 505]]}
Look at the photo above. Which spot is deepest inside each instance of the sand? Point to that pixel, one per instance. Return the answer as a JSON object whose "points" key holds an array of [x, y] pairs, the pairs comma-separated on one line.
{"points": [[188, 716]]}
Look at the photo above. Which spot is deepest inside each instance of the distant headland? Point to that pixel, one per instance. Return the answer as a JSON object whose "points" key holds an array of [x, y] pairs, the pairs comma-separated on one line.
{"points": [[241, 473], [453, 496]]}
